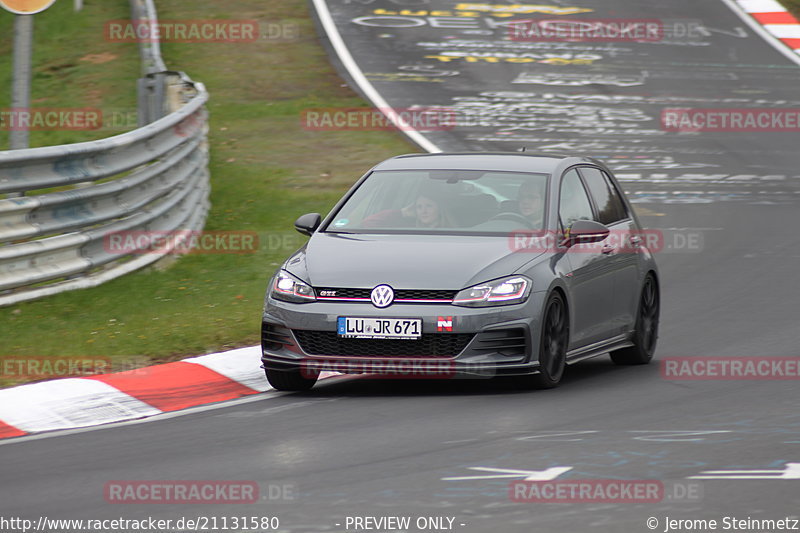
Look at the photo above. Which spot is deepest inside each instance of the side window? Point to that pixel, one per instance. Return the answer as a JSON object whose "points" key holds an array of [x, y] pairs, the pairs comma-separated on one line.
{"points": [[610, 208], [616, 197], [574, 203]]}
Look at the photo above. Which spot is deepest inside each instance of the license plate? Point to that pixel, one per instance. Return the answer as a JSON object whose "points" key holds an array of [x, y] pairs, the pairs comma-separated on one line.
{"points": [[379, 328]]}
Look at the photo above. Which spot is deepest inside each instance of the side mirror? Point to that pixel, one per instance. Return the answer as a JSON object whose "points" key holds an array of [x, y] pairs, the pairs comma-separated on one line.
{"points": [[308, 224], [586, 232]]}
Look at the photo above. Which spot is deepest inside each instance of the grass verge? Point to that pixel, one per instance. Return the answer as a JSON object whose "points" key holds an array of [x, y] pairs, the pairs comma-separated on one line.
{"points": [[793, 6], [75, 67]]}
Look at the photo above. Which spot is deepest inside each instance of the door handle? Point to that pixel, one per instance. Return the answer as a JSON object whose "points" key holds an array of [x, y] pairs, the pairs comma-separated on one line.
{"points": [[607, 249]]}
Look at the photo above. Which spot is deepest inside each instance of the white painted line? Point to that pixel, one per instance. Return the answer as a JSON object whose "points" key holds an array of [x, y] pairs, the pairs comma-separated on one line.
{"points": [[792, 471], [666, 435], [495, 476], [784, 31], [548, 474], [735, 477], [358, 77], [68, 403], [242, 365], [759, 29], [778, 472], [761, 6], [558, 436]]}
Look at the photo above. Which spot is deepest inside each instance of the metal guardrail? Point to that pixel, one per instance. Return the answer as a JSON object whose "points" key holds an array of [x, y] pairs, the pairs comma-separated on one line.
{"points": [[154, 179]]}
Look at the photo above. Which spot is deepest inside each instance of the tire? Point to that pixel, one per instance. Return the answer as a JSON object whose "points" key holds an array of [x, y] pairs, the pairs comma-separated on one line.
{"points": [[289, 380], [645, 334], [552, 346]]}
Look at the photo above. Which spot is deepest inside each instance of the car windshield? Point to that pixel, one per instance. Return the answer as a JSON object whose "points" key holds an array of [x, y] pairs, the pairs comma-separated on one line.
{"points": [[444, 201]]}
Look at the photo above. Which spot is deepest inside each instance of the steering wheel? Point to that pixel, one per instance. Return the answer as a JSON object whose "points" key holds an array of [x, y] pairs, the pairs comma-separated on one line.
{"points": [[513, 217]]}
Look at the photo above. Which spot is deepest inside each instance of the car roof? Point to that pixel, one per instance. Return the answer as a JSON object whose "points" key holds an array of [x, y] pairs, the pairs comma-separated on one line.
{"points": [[500, 161]]}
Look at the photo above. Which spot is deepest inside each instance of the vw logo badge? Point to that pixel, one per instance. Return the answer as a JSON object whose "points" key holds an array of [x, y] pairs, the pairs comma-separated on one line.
{"points": [[382, 296]]}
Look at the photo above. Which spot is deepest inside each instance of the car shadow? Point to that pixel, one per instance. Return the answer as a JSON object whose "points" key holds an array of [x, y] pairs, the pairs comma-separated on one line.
{"points": [[599, 373]]}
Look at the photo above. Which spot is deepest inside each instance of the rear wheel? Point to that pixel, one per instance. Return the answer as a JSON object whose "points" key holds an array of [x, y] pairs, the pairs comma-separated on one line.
{"points": [[290, 380], [553, 345], [645, 334]]}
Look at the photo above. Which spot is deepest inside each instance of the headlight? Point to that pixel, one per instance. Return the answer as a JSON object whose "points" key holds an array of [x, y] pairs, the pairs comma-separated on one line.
{"points": [[290, 289], [504, 291]]}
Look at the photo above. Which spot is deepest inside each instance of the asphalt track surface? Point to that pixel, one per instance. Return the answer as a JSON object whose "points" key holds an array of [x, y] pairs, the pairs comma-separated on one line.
{"points": [[360, 447]]}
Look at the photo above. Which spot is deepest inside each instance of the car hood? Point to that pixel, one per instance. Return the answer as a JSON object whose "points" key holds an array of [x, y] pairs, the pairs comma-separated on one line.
{"points": [[447, 262]]}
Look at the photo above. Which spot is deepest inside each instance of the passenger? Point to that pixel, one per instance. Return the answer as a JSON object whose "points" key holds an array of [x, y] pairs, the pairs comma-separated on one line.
{"points": [[531, 203], [427, 211]]}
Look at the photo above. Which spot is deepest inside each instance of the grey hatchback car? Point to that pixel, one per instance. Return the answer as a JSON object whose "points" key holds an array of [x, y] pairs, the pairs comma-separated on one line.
{"points": [[466, 264]]}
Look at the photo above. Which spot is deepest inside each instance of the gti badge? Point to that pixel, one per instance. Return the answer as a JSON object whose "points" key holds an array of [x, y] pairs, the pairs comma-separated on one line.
{"points": [[382, 296]]}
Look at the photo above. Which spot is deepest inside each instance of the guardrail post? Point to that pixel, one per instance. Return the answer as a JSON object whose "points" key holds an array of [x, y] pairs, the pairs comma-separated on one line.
{"points": [[152, 98], [21, 92]]}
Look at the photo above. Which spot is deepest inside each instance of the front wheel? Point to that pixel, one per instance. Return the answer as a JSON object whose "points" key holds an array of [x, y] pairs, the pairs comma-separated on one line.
{"points": [[290, 380], [553, 346], [645, 334]]}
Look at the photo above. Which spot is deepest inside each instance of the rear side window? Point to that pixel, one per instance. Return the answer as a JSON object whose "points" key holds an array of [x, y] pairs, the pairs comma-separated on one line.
{"points": [[610, 207], [574, 203]]}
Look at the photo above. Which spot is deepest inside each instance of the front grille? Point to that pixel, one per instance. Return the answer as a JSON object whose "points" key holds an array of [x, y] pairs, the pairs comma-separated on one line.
{"points": [[344, 293], [273, 337], [399, 294], [429, 345], [422, 294], [505, 341]]}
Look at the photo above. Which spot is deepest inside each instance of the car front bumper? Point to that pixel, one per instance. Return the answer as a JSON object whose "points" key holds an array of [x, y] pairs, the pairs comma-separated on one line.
{"points": [[481, 342]]}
